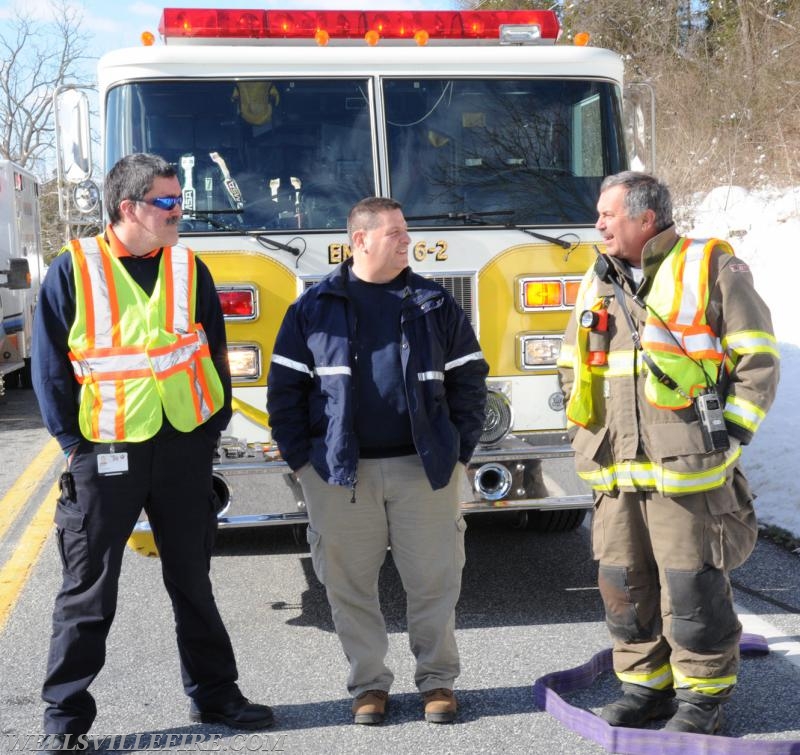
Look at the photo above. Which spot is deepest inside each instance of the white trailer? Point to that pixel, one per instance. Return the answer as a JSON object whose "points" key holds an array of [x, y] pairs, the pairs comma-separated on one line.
{"points": [[21, 271]]}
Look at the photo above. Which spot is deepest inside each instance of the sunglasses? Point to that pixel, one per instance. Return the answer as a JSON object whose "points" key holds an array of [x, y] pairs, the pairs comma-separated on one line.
{"points": [[163, 203]]}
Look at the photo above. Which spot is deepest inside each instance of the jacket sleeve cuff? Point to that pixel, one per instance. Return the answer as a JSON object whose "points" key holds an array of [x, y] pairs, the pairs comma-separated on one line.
{"points": [[738, 432], [296, 461]]}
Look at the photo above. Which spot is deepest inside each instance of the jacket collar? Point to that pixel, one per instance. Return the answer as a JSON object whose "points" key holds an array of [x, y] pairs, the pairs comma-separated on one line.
{"points": [[655, 251], [417, 288]]}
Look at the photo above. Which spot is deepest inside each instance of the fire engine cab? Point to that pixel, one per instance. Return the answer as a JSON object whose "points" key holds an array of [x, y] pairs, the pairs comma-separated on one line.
{"points": [[493, 137]]}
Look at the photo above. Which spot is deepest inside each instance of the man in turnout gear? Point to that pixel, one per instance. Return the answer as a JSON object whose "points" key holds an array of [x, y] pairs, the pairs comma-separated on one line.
{"points": [[376, 400], [657, 421], [130, 370]]}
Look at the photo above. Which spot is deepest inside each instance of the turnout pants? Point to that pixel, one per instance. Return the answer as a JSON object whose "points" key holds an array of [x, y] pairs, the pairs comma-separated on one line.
{"points": [[394, 507], [664, 579], [168, 476]]}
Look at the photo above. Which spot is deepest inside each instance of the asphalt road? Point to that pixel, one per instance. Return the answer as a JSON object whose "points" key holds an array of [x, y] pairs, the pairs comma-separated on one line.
{"points": [[529, 607]]}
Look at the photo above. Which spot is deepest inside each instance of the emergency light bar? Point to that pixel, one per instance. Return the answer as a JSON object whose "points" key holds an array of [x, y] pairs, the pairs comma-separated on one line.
{"points": [[321, 26]]}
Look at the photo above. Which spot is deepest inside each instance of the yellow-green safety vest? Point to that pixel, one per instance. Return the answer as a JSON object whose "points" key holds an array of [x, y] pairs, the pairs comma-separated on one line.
{"points": [[138, 358]]}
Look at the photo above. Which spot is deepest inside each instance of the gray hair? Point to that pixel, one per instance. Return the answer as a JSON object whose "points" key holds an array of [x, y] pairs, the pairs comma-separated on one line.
{"points": [[365, 214], [131, 178], [644, 192]]}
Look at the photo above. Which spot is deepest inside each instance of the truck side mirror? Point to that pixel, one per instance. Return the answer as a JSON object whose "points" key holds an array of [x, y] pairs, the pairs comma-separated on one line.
{"points": [[18, 276], [639, 118], [74, 146], [78, 196]]}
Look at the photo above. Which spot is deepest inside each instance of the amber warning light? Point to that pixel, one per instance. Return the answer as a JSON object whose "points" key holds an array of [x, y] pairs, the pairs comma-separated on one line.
{"points": [[324, 25]]}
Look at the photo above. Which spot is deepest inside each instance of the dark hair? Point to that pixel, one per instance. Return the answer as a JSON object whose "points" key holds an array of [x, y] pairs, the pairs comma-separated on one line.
{"points": [[364, 214], [644, 192], [131, 178]]}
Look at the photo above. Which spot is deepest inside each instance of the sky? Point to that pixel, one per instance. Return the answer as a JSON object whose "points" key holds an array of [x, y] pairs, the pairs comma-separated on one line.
{"points": [[120, 24], [763, 227]]}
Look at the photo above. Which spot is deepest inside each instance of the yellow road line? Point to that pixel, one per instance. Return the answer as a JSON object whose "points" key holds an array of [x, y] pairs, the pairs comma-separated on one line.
{"points": [[14, 573], [15, 499]]}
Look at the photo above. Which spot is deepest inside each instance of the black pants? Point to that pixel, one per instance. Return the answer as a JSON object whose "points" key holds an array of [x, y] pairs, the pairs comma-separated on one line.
{"points": [[168, 476]]}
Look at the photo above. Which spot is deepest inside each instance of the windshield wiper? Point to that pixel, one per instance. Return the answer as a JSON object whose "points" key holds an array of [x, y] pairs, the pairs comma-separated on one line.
{"points": [[207, 216], [269, 243], [475, 218], [541, 236]]}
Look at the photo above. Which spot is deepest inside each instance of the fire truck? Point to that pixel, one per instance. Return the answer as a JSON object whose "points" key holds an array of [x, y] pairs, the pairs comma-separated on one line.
{"points": [[21, 269], [493, 137]]}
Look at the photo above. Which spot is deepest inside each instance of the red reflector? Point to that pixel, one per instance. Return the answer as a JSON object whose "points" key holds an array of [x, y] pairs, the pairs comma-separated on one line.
{"points": [[237, 303], [349, 24]]}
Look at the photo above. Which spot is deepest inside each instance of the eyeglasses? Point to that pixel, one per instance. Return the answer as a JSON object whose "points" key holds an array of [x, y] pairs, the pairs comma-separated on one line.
{"points": [[163, 203]]}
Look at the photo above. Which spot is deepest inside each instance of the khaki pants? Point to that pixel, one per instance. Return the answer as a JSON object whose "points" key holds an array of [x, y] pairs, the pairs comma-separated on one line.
{"points": [[394, 507], [664, 579]]}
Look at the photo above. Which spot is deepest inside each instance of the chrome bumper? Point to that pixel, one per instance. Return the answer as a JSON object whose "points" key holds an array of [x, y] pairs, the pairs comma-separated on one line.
{"points": [[539, 469]]}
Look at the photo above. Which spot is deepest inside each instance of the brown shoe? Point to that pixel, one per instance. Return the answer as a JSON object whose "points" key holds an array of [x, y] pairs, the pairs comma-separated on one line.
{"points": [[440, 706], [370, 707]]}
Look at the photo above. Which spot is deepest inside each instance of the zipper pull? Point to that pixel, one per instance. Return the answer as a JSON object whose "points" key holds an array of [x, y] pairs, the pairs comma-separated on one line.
{"points": [[353, 497]]}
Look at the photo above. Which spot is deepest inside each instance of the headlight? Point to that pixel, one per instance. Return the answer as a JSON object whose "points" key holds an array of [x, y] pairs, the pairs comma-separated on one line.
{"points": [[244, 362], [538, 352], [499, 418]]}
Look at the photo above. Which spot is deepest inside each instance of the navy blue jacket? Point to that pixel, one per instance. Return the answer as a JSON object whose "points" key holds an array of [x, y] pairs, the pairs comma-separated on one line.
{"points": [[311, 395]]}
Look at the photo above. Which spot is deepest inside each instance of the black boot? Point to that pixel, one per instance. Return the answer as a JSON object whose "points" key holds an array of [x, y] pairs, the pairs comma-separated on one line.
{"points": [[697, 717], [638, 705]]}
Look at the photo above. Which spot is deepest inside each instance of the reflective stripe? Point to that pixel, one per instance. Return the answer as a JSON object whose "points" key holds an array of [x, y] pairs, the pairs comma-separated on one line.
{"points": [[332, 371], [423, 376], [714, 685], [703, 345], [104, 412], [646, 475], [90, 258], [182, 268], [693, 273], [618, 364], [292, 364], [166, 360], [751, 342], [463, 360], [661, 678], [744, 413], [89, 368], [300, 367]]}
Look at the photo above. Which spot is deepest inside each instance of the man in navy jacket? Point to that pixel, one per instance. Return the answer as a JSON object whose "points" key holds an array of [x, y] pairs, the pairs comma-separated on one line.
{"points": [[376, 399]]}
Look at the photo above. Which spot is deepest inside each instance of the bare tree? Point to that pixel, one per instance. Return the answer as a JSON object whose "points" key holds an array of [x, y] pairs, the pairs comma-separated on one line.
{"points": [[36, 57]]}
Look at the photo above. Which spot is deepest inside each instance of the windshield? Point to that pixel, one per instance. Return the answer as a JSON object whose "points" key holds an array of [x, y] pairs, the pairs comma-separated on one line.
{"points": [[252, 154], [280, 155], [535, 150]]}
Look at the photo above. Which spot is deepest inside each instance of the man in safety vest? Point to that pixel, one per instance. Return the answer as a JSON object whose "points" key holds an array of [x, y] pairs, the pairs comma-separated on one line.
{"points": [[669, 365], [130, 370]]}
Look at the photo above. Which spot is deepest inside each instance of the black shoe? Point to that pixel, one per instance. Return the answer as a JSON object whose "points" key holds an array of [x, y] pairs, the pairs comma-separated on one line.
{"points": [[634, 709], [55, 743], [697, 718], [238, 714]]}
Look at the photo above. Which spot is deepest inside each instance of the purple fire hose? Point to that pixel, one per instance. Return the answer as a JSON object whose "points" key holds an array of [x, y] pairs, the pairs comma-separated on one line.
{"points": [[547, 696]]}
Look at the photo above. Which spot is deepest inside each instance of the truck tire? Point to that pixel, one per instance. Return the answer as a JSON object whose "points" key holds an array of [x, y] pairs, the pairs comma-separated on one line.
{"points": [[557, 520], [25, 380], [20, 378]]}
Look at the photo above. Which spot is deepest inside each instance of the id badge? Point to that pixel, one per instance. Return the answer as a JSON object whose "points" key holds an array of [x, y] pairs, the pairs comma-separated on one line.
{"points": [[112, 464]]}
